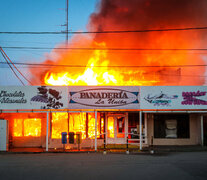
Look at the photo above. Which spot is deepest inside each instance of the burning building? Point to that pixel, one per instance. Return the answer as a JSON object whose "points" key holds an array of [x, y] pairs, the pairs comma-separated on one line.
{"points": [[121, 86], [98, 115]]}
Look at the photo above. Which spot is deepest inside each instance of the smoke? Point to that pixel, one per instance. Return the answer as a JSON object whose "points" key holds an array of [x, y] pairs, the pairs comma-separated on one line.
{"points": [[115, 15]]}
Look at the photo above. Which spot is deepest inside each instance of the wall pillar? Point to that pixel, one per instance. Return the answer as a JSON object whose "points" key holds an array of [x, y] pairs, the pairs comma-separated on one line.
{"points": [[140, 130]]}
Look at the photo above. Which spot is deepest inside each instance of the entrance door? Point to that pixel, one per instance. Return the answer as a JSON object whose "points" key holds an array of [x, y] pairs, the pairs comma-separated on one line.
{"points": [[116, 129]]}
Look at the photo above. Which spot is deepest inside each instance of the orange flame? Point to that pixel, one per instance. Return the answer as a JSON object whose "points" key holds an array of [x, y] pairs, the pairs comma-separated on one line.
{"points": [[75, 122], [98, 73], [27, 127]]}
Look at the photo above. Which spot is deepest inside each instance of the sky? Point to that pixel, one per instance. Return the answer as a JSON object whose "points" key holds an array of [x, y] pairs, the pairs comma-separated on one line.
{"points": [[40, 16]]}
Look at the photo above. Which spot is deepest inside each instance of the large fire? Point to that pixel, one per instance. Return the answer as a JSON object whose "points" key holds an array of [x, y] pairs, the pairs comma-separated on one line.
{"points": [[27, 127], [98, 73], [103, 66], [75, 122]]}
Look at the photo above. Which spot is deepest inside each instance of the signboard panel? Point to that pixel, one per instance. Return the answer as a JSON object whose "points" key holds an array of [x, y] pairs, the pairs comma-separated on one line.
{"points": [[33, 97], [173, 97], [104, 97]]}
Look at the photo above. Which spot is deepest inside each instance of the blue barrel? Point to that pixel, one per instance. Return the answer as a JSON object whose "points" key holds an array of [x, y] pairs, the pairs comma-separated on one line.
{"points": [[64, 137]]}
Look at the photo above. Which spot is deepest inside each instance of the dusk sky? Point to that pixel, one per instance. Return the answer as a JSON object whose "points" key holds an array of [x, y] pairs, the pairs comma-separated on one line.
{"points": [[39, 16]]}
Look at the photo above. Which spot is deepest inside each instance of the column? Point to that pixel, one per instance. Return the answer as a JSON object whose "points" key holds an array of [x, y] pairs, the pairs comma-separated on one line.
{"points": [[95, 130], [140, 130], [202, 141], [47, 131]]}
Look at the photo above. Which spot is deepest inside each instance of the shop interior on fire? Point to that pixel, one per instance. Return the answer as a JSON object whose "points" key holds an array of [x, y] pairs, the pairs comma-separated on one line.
{"points": [[29, 129], [113, 128]]}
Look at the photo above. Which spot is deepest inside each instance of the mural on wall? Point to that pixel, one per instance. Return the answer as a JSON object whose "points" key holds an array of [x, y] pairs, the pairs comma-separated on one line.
{"points": [[194, 98], [161, 99], [49, 96]]}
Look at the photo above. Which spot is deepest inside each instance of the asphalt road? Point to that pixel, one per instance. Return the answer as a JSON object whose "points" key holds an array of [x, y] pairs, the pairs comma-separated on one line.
{"points": [[78, 166]]}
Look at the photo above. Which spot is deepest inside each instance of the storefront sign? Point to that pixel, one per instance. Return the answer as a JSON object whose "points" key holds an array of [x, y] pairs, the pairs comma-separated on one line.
{"points": [[173, 97], [104, 97], [194, 98], [33, 97]]}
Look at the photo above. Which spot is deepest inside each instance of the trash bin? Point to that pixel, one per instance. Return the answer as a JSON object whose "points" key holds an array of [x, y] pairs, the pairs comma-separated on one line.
{"points": [[78, 137], [71, 137], [64, 137]]}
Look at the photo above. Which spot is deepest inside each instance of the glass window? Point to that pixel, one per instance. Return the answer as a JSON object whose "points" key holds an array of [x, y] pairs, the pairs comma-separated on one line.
{"points": [[17, 128], [171, 126], [133, 125], [120, 127], [83, 123], [59, 124], [77, 123], [32, 127], [27, 127], [110, 128]]}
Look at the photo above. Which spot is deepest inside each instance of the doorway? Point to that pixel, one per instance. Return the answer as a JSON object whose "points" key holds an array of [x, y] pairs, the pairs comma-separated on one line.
{"points": [[116, 126]]}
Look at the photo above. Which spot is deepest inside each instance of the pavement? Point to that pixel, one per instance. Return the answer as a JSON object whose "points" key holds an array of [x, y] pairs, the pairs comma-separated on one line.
{"points": [[112, 166], [146, 150]]}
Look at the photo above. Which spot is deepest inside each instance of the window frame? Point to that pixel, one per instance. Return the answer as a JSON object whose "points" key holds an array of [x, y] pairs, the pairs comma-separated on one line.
{"points": [[183, 123]]}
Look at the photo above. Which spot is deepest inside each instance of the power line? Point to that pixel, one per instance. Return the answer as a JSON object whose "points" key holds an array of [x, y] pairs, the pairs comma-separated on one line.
{"points": [[82, 66], [6, 57], [174, 75], [108, 32], [12, 68], [107, 49]]}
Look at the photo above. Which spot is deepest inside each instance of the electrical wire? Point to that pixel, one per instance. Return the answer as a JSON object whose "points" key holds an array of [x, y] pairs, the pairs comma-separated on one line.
{"points": [[12, 68], [5, 55], [77, 66], [108, 32], [107, 49]]}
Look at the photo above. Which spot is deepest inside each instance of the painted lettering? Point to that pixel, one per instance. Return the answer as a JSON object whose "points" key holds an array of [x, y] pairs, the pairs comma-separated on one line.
{"points": [[190, 98]]}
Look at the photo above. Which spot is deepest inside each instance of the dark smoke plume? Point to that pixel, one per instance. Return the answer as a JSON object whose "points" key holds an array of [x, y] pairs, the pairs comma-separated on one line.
{"points": [[154, 14]]}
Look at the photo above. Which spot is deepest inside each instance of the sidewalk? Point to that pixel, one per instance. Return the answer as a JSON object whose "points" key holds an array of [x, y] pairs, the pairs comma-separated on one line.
{"points": [[179, 148], [146, 150]]}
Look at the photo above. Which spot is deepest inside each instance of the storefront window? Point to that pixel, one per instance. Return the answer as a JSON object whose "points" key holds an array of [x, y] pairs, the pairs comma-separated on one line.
{"points": [[27, 127], [120, 127], [133, 125], [17, 128], [59, 124], [77, 123], [83, 123], [32, 127], [110, 128], [171, 126]]}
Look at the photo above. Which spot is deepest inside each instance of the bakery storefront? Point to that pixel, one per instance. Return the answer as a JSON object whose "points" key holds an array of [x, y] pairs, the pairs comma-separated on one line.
{"points": [[36, 116]]}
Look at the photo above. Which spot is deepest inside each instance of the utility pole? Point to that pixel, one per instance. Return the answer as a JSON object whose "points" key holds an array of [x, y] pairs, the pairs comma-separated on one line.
{"points": [[66, 22]]}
